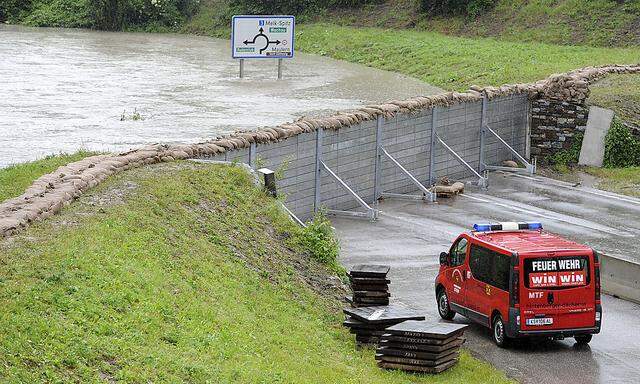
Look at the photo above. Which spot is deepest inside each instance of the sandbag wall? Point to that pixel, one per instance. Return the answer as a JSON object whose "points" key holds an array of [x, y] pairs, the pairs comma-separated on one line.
{"points": [[350, 151], [349, 146]]}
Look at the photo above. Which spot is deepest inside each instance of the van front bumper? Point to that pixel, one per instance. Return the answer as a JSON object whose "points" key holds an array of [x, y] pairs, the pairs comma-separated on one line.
{"points": [[513, 328]]}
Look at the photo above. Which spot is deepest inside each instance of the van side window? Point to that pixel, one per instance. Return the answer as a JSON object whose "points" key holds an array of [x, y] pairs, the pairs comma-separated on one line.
{"points": [[490, 267], [459, 252]]}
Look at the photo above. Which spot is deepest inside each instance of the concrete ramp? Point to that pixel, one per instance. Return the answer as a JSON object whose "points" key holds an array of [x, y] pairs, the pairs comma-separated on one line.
{"points": [[592, 152]]}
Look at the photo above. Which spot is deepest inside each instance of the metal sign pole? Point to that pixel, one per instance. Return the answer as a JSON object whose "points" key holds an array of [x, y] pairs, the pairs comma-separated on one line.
{"points": [[241, 68], [279, 69]]}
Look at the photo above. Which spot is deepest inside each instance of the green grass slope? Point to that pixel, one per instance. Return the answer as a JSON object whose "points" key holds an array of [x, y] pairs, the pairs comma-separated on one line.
{"points": [[621, 93], [570, 22], [179, 272], [453, 63], [16, 178]]}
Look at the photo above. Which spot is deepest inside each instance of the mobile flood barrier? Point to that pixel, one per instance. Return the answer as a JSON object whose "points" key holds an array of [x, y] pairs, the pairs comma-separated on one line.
{"points": [[344, 171]]}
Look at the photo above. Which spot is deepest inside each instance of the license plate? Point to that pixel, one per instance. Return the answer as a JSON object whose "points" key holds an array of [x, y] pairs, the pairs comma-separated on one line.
{"points": [[540, 321]]}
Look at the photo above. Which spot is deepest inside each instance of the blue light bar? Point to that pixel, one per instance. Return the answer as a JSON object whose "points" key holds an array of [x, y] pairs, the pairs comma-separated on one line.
{"points": [[534, 225], [482, 227], [506, 226]]}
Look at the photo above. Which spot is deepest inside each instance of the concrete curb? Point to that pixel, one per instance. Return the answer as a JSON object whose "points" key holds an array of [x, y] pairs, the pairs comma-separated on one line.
{"points": [[620, 278]]}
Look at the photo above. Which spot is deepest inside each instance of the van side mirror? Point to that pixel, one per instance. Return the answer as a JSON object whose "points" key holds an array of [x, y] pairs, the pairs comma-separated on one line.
{"points": [[444, 258]]}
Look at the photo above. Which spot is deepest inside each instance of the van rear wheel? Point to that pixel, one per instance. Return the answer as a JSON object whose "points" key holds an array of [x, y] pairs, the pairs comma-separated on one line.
{"points": [[499, 332], [443, 305], [583, 339]]}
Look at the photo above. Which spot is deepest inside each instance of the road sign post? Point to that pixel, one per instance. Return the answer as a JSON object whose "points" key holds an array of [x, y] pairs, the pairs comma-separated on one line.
{"points": [[262, 37]]}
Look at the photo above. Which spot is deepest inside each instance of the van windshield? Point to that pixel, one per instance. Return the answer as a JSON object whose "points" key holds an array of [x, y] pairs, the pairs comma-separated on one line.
{"points": [[556, 272]]}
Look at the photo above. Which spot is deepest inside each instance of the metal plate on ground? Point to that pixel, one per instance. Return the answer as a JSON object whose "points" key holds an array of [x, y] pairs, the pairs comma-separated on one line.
{"points": [[419, 340], [423, 347], [365, 294], [366, 332], [384, 314], [426, 329], [420, 355], [417, 368], [369, 270], [362, 287], [369, 280], [423, 362]]}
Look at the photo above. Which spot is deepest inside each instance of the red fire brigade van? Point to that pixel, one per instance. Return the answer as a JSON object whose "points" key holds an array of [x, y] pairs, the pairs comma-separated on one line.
{"points": [[521, 282]]}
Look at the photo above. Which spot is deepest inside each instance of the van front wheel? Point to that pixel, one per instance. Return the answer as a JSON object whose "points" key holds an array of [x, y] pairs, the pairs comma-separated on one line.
{"points": [[443, 305], [583, 339], [499, 334]]}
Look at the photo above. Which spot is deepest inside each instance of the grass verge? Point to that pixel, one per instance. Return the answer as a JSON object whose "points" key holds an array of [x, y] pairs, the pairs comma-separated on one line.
{"points": [[619, 93], [15, 179], [619, 180], [179, 272], [453, 63]]}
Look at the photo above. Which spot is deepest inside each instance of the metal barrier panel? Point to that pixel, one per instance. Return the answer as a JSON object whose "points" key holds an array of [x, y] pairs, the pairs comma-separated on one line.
{"points": [[350, 152]]}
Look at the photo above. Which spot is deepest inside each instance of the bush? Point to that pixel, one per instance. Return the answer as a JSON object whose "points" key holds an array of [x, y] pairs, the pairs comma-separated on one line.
{"points": [[59, 13], [113, 15], [571, 155], [299, 8], [319, 239], [13, 10], [147, 14], [455, 7], [622, 149]]}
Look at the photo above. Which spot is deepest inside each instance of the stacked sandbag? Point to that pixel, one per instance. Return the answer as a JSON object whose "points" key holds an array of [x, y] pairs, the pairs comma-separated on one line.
{"points": [[420, 346], [370, 323], [369, 284], [49, 194]]}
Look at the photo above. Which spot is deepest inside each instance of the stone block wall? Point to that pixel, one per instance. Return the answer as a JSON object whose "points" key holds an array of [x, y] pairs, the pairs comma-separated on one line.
{"points": [[554, 124]]}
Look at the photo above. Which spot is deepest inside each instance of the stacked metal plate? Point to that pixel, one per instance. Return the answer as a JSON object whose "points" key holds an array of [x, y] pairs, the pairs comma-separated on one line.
{"points": [[370, 285], [369, 323], [420, 346]]}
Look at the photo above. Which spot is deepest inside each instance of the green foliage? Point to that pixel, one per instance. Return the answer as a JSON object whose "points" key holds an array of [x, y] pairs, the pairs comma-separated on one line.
{"points": [[455, 7], [59, 13], [155, 15], [302, 9], [172, 273], [622, 149], [571, 155], [15, 179], [150, 15], [14, 10], [319, 240]]}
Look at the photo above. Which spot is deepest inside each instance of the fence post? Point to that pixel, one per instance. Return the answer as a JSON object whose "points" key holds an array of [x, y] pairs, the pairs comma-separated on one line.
{"points": [[318, 176], [252, 155], [377, 181], [432, 150], [482, 132]]}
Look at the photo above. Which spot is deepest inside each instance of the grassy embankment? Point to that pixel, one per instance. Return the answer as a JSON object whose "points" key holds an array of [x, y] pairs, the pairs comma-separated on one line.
{"points": [[179, 272], [454, 63], [569, 22], [14, 179]]}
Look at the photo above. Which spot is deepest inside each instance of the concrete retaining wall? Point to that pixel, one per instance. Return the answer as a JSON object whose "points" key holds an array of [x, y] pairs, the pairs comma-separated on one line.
{"points": [[620, 277], [350, 152]]}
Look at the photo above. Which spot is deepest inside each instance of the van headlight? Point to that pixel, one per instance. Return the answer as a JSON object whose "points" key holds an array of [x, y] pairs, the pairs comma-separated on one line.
{"points": [[598, 316]]}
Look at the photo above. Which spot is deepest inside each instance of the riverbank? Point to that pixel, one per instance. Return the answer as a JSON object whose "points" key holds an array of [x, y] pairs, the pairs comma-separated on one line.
{"points": [[180, 272]]}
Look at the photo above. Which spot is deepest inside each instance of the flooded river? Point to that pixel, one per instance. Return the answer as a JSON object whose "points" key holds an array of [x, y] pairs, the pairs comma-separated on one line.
{"points": [[65, 89]]}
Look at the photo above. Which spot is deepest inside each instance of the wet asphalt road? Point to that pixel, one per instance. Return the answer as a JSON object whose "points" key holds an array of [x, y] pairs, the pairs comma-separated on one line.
{"points": [[410, 235]]}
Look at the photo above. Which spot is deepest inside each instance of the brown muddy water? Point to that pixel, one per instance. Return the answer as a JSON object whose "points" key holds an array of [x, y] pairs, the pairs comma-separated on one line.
{"points": [[67, 89]]}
